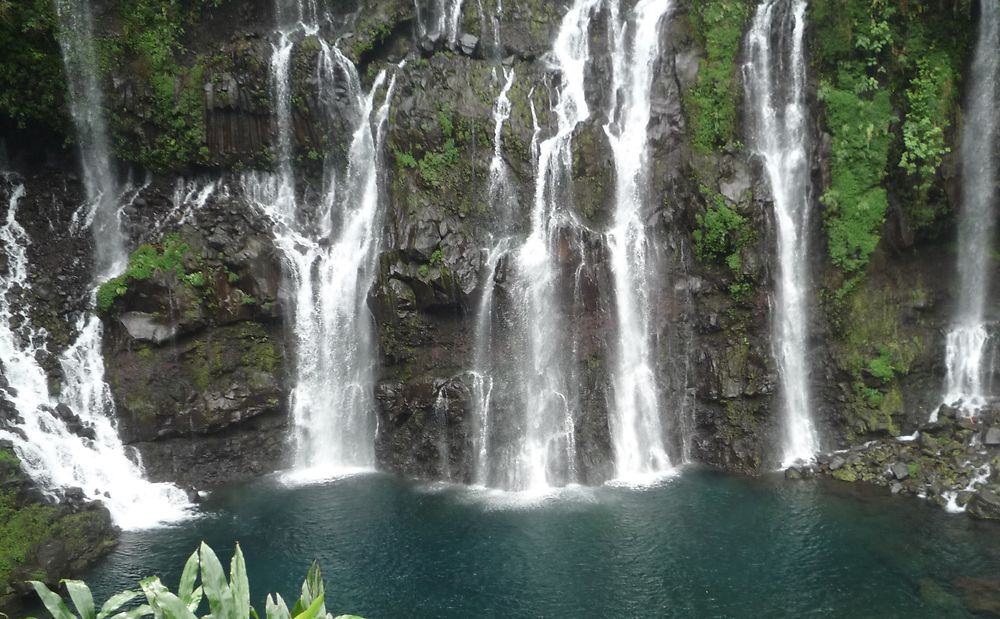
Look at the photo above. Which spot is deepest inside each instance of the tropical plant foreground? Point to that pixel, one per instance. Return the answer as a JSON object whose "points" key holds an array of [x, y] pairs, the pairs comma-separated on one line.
{"points": [[203, 582]]}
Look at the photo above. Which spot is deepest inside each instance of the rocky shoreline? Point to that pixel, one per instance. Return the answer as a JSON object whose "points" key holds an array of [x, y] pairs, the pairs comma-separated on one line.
{"points": [[953, 462]]}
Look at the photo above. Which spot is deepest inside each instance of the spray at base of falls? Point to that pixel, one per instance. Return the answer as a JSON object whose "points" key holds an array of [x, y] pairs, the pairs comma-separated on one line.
{"points": [[52, 455], [968, 341], [636, 429], [779, 121]]}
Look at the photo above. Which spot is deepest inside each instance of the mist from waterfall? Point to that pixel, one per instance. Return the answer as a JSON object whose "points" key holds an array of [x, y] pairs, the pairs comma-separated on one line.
{"points": [[775, 81]]}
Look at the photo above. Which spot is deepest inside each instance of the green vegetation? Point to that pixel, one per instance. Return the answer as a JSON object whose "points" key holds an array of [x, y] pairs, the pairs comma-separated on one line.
{"points": [[31, 70], [721, 236], [225, 600], [435, 164], [712, 104], [27, 523], [21, 529], [866, 50], [150, 45], [146, 261]]}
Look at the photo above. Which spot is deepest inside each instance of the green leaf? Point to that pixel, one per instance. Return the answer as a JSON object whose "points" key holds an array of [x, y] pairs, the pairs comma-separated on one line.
{"points": [[239, 585], [195, 601], [312, 587], [82, 598], [173, 607], [213, 582], [117, 601], [135, 613], [55, 605], [152, 587], [185, 589], [313, 611], [275, 608]]}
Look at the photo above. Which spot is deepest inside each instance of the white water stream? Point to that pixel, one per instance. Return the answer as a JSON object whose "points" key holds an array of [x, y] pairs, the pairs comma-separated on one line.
{"points": [[968, 339], [775, 82]]}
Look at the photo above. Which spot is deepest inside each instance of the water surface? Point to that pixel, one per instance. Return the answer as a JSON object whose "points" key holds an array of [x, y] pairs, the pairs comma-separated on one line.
{"points": [[702, 544]]}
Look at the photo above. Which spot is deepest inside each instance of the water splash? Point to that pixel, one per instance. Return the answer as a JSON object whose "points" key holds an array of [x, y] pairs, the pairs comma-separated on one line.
{"points": [[775, 82], [636, 430], [968, 339]]}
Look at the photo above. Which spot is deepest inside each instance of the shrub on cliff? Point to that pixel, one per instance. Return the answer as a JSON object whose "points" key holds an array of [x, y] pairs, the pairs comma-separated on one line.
{"points": [[225, 600]]}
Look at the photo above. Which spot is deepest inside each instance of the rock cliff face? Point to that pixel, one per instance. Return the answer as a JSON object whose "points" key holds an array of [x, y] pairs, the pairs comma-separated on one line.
{"points": [[197, 351], [196, 357]]}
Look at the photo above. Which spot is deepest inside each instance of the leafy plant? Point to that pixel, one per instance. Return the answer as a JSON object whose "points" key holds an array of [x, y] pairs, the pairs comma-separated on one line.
{"points": [[225, 599], [713, 102], [146, 261]]}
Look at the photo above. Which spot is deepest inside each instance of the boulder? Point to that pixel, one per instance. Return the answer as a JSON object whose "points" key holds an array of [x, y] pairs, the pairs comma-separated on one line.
{"points": [[145, 327], [900, 471], [985, 504], [992, 437]]}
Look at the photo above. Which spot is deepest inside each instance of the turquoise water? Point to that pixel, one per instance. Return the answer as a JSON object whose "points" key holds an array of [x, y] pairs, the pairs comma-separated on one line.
{"points": [[702, 544]]}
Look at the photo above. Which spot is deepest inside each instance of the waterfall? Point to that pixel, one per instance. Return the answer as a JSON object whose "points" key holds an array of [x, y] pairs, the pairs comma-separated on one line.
{"points": [[636, 431], [90, 456], [73, 442], [540, 455], [330, 247], [439, 19], [483, 376], [101, 212], [968, 338], [775, 83]]}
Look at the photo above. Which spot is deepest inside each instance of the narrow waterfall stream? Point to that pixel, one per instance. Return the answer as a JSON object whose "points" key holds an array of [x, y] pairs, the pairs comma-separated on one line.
{"points": [[86, 102], [968, 339], [329, 243], [484, 372], [439, 19], [636, 430], [775, 83]]}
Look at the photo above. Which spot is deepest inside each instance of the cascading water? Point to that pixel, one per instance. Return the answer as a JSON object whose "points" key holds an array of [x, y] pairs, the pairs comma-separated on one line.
{"points": [[93, 458], [483, 380], [101, 213], [636, 430], [54, 456], [439, 18], [968, 339], [541, 455], [775, 83], [330, 247]]}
